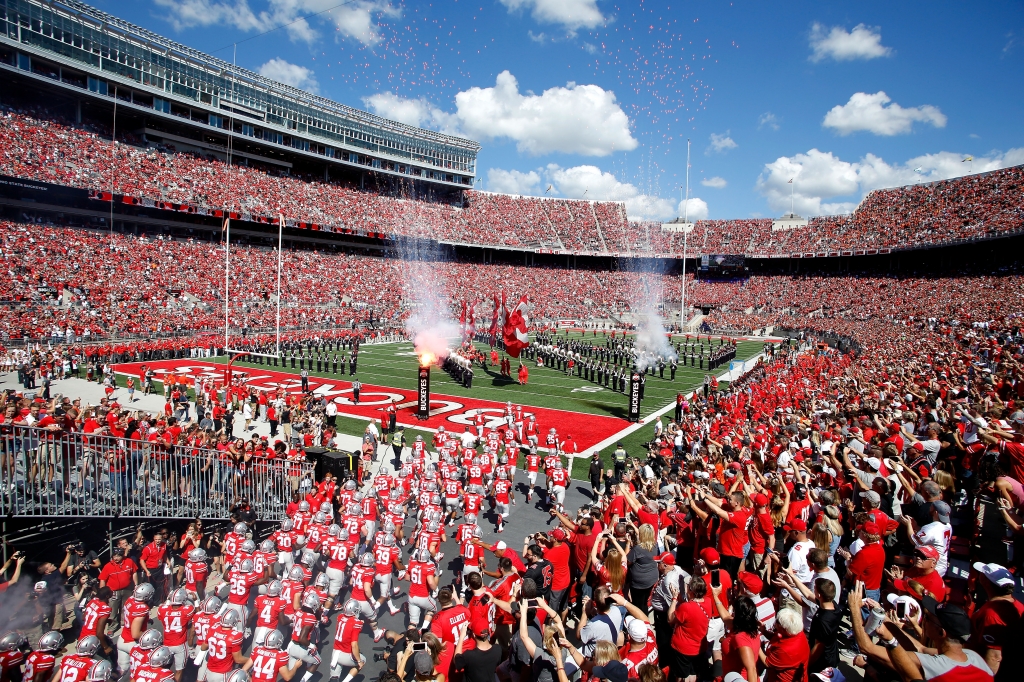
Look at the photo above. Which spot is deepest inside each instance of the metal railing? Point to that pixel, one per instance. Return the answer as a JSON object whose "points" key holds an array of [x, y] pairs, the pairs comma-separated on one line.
{"points": [[73, 474]]}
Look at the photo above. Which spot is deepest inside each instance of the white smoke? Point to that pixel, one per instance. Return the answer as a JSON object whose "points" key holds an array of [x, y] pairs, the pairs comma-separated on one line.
{"points": [[651, 341], [430, 324]]}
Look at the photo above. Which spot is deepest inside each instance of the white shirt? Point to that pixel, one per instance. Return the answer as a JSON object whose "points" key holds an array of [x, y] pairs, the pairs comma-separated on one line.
{"points": [[798, 561], [332, 409], [936, 534], [468, 439]]}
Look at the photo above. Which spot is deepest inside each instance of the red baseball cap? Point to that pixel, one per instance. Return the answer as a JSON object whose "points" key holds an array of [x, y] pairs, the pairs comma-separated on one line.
{"points": [[557, 534], [798, 525], [751, 582], [666, 558], [927, 551], [760, 499], [871, 528], [710, 556]]}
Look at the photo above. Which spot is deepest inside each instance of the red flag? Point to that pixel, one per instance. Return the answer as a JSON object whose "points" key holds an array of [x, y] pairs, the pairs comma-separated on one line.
{"points": [[471, 321], [514, 332], [462, 321]]}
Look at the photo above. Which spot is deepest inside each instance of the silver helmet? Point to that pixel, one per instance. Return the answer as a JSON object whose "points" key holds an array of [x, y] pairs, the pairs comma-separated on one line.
{"points": [[308, 559], [11, 641], [287, 525], [351, 608], [326, 507], [388, 540], [211, 605], [88, 646], [240, 528], [366, 559], [248, 547], [320, 517], [161, 658], [178, 597], [151, 639], [197, 555], [51, 641], [311, 601], [296, 573], [322, 581], [231, 619], [334, 531], [246, 566], [101, 672], [143, 592], [274, 640], [350, 485], [471, 519], [238, 675], [304, 506], [274, 588], [267, 546]]}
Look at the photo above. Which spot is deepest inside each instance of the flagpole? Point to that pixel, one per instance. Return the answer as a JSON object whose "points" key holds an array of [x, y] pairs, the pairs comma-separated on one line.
{"points": [[792, 197], [280, 242]]}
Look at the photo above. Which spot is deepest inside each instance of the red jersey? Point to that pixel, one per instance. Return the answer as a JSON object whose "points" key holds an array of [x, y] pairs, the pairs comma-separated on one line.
{"points": [[532, 462], [290, 588], [231, 542], [302, 620], [94, 610], [223, 643], [385, 557], [175, 620], [283, 539], [446, 624], [470, 553], [75, 668], [241, 584], [559, 477], [634, 659], [202, 625], [347, 633], [502, 589], [337, 552], [268, 610], [131, 610], [473, 502], [136, 659], [501, 490], [38, 662], [196, 572], [419, 572], [266, 663], [360, 577], [151, 673], [452, 488]]}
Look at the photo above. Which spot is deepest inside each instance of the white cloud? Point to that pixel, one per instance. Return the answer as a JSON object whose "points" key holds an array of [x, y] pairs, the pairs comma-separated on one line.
{"points": [[768, 119], [696, 209], [414, 112], [572, 14], [863, 42], [357, 19], [575, 119], [591, 182], [715, 182], [290, 74], [822, 176], [721, 143], [512, 181], [869, 112]]}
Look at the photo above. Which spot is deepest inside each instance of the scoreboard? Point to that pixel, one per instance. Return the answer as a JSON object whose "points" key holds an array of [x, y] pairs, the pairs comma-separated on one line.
{"points": [[723, 265]]}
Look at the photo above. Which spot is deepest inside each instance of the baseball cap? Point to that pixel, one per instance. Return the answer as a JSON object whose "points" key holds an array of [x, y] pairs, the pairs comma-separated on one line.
{"points": [[918, 446], [874, 463], [871, 528], [997, 575], [942, 510], [614, 671], [557, 534], [952, 618], [710, 556], [798, 525], [761, 500], [666, 558], [40, 586], [637, 630], [872, 497], [751, 582], [827, 675], [424, 664], [500, 545], [927, 551]]}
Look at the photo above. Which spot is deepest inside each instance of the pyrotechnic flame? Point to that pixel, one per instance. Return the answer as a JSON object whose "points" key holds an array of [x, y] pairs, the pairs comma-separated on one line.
{"points": [[427, 359]]}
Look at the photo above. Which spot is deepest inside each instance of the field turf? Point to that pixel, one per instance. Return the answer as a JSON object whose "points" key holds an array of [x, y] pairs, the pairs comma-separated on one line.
{"points": [[394, 365]]}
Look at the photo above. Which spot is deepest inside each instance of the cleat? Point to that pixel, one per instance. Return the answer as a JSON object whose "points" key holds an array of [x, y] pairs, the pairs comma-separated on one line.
{"points": [[378, 635]]}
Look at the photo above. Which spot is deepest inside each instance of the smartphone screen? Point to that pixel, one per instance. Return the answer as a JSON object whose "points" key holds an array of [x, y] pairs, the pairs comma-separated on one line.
{"points": [[716, 581], [901, 610], [419, 646]]}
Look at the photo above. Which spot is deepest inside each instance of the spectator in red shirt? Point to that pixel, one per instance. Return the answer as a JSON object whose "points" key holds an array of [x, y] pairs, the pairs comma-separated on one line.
{"points": [[557, 552], [155, 558], [868, 564]]}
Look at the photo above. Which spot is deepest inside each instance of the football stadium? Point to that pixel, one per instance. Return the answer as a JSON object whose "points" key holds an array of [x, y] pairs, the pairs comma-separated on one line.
{"points": [[282, 347]]}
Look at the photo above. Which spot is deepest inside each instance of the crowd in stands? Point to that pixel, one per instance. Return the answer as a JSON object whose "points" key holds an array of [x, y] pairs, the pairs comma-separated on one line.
{"points": [[40, 146]]}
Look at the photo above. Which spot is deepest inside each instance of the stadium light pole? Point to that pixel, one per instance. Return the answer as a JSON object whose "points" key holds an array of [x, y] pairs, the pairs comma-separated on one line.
{"points": [[227, 277], [280, 240], [686, 215], [113, 140]]}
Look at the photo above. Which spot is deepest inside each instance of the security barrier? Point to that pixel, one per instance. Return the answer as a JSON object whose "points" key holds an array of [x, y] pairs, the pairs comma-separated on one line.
{"points": [[48, 472]]}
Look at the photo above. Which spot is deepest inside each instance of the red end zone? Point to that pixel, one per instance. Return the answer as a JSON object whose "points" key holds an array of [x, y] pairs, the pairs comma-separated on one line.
{"points": [[452, 412]]}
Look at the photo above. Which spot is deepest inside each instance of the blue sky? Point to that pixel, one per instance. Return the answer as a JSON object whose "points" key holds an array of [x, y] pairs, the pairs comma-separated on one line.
{"points": [[596, 99]]}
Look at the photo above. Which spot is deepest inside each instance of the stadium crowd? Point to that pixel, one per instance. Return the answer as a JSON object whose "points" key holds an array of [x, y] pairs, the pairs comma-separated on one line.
{"points": [[40, 146], [885, 487]]}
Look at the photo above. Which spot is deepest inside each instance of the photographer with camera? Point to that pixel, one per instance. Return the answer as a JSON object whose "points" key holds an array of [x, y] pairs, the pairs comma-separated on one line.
{"points": [[18, 559], [78, 562]]}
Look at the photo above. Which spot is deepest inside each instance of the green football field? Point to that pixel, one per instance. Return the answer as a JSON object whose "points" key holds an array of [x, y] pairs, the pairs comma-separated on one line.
{"points": [[394, 365]]}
